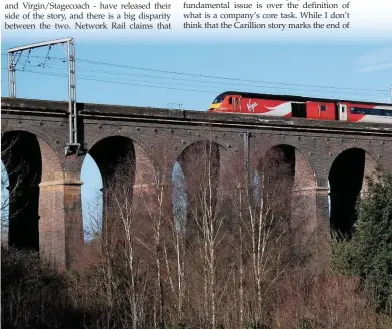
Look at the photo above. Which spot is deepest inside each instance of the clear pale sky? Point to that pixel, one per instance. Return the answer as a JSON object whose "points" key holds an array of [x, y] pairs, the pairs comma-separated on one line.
{"points": [[287, 68]]}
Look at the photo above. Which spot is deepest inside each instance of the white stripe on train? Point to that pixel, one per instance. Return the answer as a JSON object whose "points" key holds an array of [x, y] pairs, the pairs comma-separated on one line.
{"points": [[376, 119], [383, 107], [279, 111]]}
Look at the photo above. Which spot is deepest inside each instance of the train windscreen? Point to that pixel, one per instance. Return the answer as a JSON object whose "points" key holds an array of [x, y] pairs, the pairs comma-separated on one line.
{"points": [[219, 99]]}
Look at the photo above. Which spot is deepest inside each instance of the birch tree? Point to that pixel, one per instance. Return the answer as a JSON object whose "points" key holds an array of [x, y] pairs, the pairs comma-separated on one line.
{"points": [[262, 204], [210, 221]]}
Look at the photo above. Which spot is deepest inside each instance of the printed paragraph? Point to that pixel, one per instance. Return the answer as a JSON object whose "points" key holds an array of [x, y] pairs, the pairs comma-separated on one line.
{"points": [[164, 15], [87, 16], [281, 15]]}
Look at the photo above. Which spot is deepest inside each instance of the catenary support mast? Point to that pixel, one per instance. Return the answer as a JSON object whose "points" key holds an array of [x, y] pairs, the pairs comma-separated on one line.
{"points": [[68, 45]]}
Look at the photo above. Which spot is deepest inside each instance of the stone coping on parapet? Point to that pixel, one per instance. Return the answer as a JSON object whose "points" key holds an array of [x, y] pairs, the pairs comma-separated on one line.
{"points": [[200, 118]]}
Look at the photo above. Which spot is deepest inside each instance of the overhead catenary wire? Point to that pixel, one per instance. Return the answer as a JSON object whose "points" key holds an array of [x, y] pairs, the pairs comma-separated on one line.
{"points": [[112, 73], [226, 78], [111, 81], [115, 82], [214, 77], [377, 94], [210, 83]]}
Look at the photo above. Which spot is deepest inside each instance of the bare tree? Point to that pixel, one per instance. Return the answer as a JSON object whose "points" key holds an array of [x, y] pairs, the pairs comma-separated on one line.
{"points": [[137, 234], [139, 194], [175, 239], [153, 204], [11, 180], [121, 221], [219, 265], [205, 202], [262, 204], [115, 234]]}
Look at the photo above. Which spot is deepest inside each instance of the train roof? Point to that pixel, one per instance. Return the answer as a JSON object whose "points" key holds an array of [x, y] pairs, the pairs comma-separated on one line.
{"points": [[298, 98]]}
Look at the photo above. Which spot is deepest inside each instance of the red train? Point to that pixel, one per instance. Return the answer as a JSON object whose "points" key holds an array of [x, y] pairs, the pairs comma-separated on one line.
{"points": [[302, 107]]}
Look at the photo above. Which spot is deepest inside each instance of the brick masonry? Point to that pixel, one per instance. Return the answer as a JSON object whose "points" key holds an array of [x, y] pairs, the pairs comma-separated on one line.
{"points": [[158, 138]]}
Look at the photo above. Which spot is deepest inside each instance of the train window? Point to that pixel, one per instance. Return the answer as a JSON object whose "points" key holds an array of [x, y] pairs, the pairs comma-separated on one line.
{"points": [[367, 111], [230, 100], [219, 99], [358, 110], [377, 112], [323, 107], [363, 111]]}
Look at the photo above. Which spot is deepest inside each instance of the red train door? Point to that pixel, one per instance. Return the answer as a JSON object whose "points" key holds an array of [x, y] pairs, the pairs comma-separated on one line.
{"points": [[237, 103]]}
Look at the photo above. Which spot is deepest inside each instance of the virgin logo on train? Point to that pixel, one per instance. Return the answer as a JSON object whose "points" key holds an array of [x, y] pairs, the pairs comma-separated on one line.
{"points": [[251, 107], [311, 108]]}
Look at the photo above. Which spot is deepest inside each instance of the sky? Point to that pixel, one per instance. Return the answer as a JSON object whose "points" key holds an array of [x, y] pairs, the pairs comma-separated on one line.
{"points": [[155, 75]]}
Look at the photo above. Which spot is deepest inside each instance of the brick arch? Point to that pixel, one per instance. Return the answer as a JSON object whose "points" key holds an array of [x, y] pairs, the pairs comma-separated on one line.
{"points": [[34, 130], [199, 161], [193, 141], [224, 155], [107, 133], [128, 176], [290, 177], [30, 162], [310, 161], [114, 150], [347, 181], [195, 155], [53, 163], [367, 148]]}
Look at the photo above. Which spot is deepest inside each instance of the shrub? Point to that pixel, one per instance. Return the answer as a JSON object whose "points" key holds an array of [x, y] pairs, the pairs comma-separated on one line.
{"points": [[33, 295], [368, 254]]}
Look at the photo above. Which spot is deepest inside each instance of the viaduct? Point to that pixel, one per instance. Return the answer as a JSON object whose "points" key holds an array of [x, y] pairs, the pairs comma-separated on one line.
{"points": [[328, 157]]}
